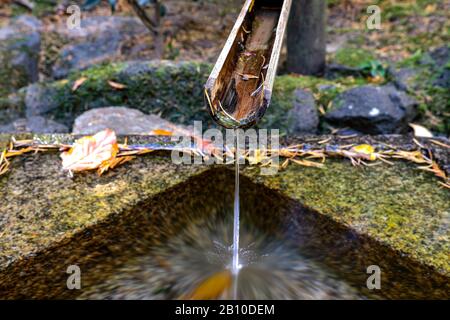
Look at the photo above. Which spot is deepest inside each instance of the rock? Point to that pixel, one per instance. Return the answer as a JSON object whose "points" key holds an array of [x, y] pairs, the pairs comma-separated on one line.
{"points": [[12, 107], [373, 109], [403, 78], [39, 100], [29, 22], [100, 39], [303, 117], [441, 58], [334, 71], [120, 119], [20, 44], [35, 124], [174, 90]]}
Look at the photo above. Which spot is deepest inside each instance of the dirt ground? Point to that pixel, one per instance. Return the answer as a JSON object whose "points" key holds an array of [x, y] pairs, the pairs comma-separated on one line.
{"points": [[196, 30]]}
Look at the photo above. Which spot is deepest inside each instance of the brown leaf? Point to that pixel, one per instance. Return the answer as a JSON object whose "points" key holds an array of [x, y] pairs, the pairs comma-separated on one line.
{"points": [[78, 83], [116, 85]]}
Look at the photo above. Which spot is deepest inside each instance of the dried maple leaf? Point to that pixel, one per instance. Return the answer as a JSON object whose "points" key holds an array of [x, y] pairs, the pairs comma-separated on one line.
{"points": [[90, 152]]}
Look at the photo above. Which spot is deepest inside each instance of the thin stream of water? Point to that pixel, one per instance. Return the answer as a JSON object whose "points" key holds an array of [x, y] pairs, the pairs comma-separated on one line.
{"points": [[235, 265]]}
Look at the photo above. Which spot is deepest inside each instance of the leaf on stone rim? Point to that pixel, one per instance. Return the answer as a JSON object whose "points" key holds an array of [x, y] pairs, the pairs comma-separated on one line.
{"points": [[161, 132], [367, 150], [421, 131], [90, 152]]}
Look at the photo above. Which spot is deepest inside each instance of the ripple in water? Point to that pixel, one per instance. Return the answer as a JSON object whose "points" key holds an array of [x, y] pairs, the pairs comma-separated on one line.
{"points": [[198, 262]]}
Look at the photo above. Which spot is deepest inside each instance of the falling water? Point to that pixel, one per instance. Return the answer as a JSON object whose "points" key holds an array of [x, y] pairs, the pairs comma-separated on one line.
{"points": [[235, 265]]}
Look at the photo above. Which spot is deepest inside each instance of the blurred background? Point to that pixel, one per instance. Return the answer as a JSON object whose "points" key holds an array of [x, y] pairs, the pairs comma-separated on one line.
{"points": [[60, 74]]}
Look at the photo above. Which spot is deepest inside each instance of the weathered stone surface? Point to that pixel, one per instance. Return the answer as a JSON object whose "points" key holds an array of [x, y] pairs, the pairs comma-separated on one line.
{"points": [[39, 99], [303, 117], [36, 124], [12, 107], [404, 78], [373, 109], [394, 216], [441, 58], [100, 39], [20, 44], [120, 119]]}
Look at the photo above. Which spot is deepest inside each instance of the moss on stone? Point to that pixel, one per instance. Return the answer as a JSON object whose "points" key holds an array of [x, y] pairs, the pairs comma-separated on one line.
{"points": [[174, 91], [398, 205], [11, 77], [353, 57], [12, 107], [434, 101]]}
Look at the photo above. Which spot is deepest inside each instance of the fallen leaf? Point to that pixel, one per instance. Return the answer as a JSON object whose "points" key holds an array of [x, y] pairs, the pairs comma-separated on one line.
{"points": [[431, 8], [78, 83], [90, 152], [367, 150], [420, 131], [116, 85], [161, 132], [212, 287]]}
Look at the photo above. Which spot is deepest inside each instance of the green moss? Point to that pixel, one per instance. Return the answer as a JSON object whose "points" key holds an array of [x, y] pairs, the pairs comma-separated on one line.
{"points": [[397, 205], [353, 57], [434, 101], [40, 9], [11, 77], [175, 92]]}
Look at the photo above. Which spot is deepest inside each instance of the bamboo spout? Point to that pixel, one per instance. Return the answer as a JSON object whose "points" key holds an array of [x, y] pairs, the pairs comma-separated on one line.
{"points": [[238, 91]]}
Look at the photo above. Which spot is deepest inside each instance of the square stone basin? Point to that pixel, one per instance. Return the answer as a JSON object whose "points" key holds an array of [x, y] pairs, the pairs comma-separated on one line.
{"points": [[166, 246], [154, 230]]}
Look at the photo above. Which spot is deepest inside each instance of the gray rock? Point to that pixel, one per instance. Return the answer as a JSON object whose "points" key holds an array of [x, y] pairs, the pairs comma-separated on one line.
{"points": [[29, 22], [373, 110], [39, 100], [120, 119], [403, 78], [303, 117], [20, 44], [12, 107], [99, 40], [441, 58], [36, 124]]}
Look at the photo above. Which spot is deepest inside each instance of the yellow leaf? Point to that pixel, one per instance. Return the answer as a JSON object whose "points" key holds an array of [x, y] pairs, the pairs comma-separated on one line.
{"points": [[431, 8], [212, 287], [78, 83], [161, 132], [366, 149]]}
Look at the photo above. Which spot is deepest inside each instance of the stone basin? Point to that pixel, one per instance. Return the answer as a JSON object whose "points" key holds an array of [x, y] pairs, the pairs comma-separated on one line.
{"points": [[339, 220]]}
